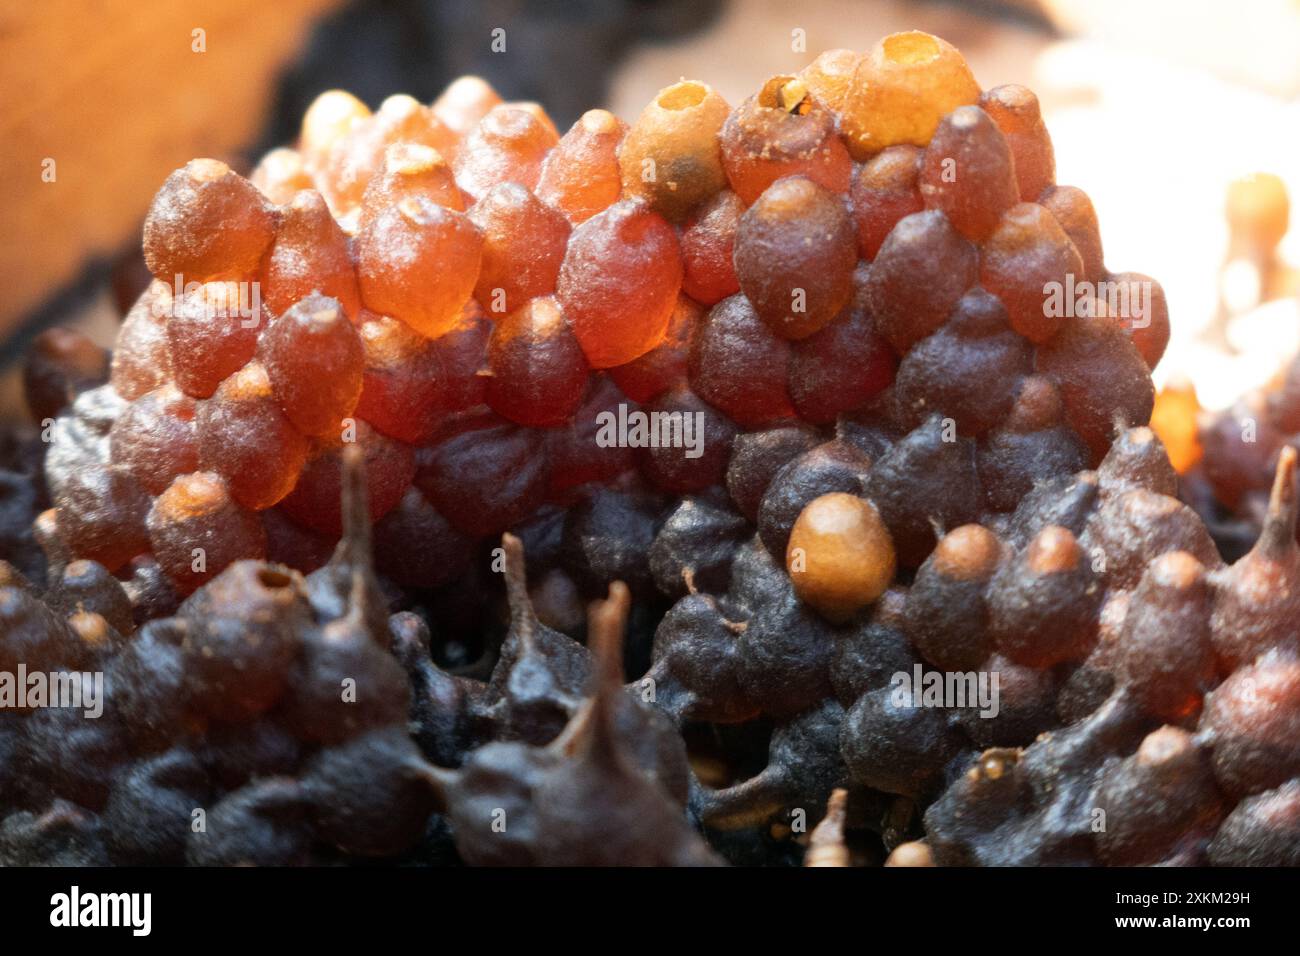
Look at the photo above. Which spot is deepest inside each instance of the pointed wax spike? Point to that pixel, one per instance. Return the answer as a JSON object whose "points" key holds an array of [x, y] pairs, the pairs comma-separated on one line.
{"points": [[1283, 496], [1278, 533], [592, 730], [359, 600], [606, 622], [523, 617], [332, 587], [826, 842], [354, 548]]}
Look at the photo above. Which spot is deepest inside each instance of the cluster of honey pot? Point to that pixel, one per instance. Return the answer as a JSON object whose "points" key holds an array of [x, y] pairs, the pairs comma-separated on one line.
{"points": [[287, 522]]}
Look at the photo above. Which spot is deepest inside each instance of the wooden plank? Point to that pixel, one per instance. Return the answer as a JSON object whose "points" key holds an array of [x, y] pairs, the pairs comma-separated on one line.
{"points": [[116, 94]]}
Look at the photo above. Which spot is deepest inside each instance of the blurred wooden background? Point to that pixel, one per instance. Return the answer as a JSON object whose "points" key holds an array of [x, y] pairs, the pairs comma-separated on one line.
{"points": [[115, 93]]}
